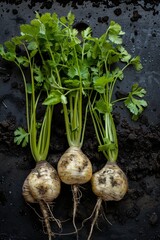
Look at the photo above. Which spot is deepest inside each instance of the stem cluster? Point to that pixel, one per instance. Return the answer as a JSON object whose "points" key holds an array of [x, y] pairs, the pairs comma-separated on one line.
{"points": [[80, 73]]}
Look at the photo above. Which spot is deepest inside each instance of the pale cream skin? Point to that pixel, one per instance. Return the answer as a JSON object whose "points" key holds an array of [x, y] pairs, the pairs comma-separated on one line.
{"points": [[42, 183], [42, 186], [110, 183], [74, 167]]}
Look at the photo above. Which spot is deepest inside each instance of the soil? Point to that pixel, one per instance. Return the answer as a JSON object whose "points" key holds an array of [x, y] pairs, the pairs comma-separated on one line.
{"points": [[137, 216]]}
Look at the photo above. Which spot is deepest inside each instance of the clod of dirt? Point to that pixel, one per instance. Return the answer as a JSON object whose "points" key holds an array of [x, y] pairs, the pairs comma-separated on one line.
{"points": [[135, 32], [135, 194], [6, 133], [133, 212], [153, 219], [154, 34], [118, 11], [135, 16], [14, 11], [103, 19]]}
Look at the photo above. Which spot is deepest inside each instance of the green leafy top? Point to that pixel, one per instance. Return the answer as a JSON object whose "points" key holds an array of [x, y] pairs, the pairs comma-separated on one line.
{"points": [[21, 137], [65, 68], [37, 49], [111, 60]]}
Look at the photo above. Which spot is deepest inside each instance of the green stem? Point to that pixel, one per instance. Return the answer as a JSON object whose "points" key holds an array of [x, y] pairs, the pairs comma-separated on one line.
{"points": [[56, 69], [80, 140], [98, 131], [83, 48], [42, 137], [26, 97], [114, 82], [119, 100], [70, 114], [33, 122], [76, 118], [84, 126], [46, 133], [33, 137], [74, 123], [67, 125], [111, 135], [97, 120]]}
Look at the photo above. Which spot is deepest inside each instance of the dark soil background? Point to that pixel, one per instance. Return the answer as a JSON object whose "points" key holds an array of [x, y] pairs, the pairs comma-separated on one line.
{"points": [[137, 216]]}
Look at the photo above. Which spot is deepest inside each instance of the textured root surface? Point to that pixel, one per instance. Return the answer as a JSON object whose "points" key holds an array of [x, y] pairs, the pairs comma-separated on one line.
{"points": [[45, 213], [26, 192], [110, 183], [47, 217], [42, 186], [76, 197], [74, 167], [42, 183], [95, 213]]}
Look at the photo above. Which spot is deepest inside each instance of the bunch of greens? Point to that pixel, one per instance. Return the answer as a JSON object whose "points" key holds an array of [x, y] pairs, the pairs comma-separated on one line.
{"points": [[37, 59], [37, 49], [38, 131], [111, 61], [59, 66]]}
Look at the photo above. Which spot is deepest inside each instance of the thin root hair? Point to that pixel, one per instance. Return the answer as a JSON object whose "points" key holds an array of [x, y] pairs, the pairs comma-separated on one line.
{"points": [[40, 217], [92, 214], [78, 193], [104, 216], [96, 215], [52, 217], [46, 212], [76, 199]]}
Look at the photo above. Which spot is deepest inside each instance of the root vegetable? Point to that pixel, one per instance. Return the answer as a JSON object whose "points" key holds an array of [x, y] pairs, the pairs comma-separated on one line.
{"points": [[56, 59], [110, 183], [74, 167], [42, 186], [68, 69], [42, 183]]}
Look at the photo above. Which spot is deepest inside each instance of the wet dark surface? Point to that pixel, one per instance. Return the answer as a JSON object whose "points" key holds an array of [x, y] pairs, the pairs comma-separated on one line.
{"points": [[137, 216]]}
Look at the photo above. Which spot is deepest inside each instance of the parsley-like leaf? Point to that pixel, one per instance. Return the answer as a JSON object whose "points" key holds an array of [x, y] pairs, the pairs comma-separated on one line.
{"points": [[101, 106], [100, 83], [136, 63], [115, 33], [21, 137], [134, 102], [54, 98], [86, 33], [125, 56]]}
